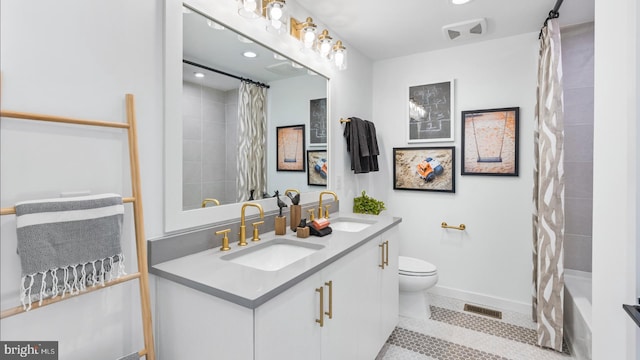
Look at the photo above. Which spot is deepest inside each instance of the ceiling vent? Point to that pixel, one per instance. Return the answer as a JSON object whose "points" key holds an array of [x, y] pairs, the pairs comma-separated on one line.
{"points": [[285, 68], [465, 29]]}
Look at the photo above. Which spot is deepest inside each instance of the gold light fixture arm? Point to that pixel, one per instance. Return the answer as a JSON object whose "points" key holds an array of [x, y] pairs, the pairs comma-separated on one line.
{"points": [[296, 27]]}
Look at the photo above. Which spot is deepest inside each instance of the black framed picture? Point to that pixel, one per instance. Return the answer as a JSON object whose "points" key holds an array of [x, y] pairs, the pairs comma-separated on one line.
{"points": [[424, 168], [317, 167], [318, 122], [290, 148], [490, 142], [431, 113]]}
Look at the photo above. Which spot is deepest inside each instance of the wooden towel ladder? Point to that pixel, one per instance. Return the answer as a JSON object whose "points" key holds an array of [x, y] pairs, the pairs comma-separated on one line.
{"points": [[142, 275]]}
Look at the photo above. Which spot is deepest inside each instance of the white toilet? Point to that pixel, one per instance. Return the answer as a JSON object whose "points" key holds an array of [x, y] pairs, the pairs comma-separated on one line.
{"points": [[416, 276]]}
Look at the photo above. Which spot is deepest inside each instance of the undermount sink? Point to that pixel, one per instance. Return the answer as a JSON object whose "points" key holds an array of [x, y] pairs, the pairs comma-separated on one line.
{"points": [[273, 255], [350, 225]]}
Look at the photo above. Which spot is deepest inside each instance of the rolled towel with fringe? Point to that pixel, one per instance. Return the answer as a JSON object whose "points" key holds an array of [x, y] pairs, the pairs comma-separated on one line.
{"points": [[67, 244]]}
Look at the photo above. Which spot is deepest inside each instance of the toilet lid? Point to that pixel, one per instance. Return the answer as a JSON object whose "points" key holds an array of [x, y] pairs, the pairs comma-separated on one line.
{"points": [[413, 266]]}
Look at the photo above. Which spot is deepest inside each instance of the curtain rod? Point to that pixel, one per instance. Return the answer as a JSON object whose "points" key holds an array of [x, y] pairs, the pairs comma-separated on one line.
{"points": [[553, 14], [226, 73]]}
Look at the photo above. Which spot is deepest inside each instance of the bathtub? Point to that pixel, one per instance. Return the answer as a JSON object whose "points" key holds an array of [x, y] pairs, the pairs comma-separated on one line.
{"points": [[577, 312]]}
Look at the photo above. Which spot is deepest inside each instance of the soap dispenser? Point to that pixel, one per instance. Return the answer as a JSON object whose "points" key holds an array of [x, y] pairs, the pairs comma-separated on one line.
{"points": [[295, 211]]}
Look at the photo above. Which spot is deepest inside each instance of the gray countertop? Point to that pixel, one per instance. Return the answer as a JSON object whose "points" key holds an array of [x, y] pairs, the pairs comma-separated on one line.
{"points": [[206, 271]]}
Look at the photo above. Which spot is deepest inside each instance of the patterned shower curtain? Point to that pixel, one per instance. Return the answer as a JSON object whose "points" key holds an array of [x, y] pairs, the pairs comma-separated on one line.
{"points": [[548, 193], [252, 123]]}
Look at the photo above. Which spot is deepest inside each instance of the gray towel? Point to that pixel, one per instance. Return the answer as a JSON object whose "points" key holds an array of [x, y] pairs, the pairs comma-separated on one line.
{"points": [[132, 356], [66, 244]]}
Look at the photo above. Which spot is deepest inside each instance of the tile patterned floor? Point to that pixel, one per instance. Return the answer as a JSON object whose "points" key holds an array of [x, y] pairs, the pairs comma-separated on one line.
{"points": [[451, 334]]}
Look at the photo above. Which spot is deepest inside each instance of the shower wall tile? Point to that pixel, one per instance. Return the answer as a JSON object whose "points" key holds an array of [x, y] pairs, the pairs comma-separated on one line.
{"points": [[191, 106], [211, 94], [578, 216], [578, 106], [191, 150], [192, 172], [213, 132], [577, 252], [213, 111], [578, 180], [578, 140], [231, 189], [191, 196], [214, 190], [214, 170], [213, 151], [191, 90], [191, 127]]}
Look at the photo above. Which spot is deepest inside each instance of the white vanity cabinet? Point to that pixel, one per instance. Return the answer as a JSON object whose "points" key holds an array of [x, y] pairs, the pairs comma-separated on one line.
{"points": [[358, 294], [354, 297]]}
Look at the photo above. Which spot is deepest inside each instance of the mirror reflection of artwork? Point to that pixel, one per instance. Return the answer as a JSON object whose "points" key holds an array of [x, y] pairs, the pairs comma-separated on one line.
{"points": [[490, 142], [318, 168], [290, 148], [318, 122], [431, 112]]}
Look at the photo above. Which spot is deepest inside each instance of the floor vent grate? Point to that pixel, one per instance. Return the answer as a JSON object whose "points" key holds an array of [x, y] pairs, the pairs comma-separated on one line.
{"points": [[483, 311]]}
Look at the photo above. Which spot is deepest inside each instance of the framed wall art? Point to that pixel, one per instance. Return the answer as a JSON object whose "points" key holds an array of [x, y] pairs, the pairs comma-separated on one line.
{"points": [[317, 167], [424, 168], [318, 122], [490, 142], [290, 148], [431, 113]]}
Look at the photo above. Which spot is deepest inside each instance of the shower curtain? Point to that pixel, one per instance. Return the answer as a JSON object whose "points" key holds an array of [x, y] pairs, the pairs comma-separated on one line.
{"points": [[548, 193], [252, 119]]}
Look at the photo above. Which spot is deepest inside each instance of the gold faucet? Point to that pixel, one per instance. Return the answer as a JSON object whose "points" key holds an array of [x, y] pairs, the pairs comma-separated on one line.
{"points": [[206, 201], [335, 198], [243, 228]]}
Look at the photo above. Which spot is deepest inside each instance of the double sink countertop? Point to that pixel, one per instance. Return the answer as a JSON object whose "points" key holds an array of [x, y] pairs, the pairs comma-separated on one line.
{"points": [[216, 273]]}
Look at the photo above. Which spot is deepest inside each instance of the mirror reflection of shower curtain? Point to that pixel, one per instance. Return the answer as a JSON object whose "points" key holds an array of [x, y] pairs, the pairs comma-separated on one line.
{"points": [[548, 193], [252, 119]]}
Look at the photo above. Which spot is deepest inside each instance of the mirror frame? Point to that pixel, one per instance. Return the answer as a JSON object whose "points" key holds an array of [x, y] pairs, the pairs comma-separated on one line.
{"points": [[175, 219]]}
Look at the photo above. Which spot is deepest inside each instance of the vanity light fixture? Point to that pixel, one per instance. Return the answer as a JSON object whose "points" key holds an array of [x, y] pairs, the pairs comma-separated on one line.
{"points": [[304, 31], [275, 13], [324, 43], [214, 25], [250, 9], [339, 55], [249, 54]]}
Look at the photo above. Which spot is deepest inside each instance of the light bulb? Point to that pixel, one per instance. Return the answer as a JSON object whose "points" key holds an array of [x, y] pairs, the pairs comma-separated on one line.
{"points": [[325, 47], [276, 12], [339, 58], [309, 37]]}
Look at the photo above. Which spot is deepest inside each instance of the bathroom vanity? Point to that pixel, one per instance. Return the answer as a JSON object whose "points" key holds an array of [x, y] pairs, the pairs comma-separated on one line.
{"points": [[334, 297]]}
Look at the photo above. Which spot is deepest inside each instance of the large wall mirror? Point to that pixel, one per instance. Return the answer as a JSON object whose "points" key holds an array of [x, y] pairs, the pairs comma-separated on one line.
{"points": [[216, 123]]}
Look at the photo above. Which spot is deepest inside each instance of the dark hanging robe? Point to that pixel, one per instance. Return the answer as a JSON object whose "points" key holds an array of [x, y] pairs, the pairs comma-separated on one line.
{"points": [[362, 145]]}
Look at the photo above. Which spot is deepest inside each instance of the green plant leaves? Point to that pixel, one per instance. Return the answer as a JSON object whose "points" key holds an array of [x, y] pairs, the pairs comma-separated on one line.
{"points": [[367, 205]]}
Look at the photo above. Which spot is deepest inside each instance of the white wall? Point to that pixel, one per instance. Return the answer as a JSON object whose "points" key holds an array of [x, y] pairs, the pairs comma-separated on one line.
{"points": [[491, 260], [78, 58], [615, 191]]}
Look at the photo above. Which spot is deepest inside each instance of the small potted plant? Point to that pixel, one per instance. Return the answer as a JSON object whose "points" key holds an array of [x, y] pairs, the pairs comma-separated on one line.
{"points": [[367, 205]]}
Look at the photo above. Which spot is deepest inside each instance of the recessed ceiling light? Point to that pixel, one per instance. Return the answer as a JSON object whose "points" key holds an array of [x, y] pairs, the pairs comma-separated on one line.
{"points": [[460, 2], [249, 54], [198, 74]]}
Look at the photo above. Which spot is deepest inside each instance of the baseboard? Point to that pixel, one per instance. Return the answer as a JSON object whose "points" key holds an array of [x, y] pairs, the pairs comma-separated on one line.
{"points": [[482, 299]]}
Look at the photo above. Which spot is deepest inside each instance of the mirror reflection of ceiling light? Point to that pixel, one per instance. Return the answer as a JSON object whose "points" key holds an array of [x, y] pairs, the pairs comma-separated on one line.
{"points": [[249, 54], [198, 74], [214, 25], [460, 2]]}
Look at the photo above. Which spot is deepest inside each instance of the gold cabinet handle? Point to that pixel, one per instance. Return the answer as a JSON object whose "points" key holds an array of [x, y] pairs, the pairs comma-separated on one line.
{"points": [[381, 246], [386, 256], [330, 312], [321, 320]]}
